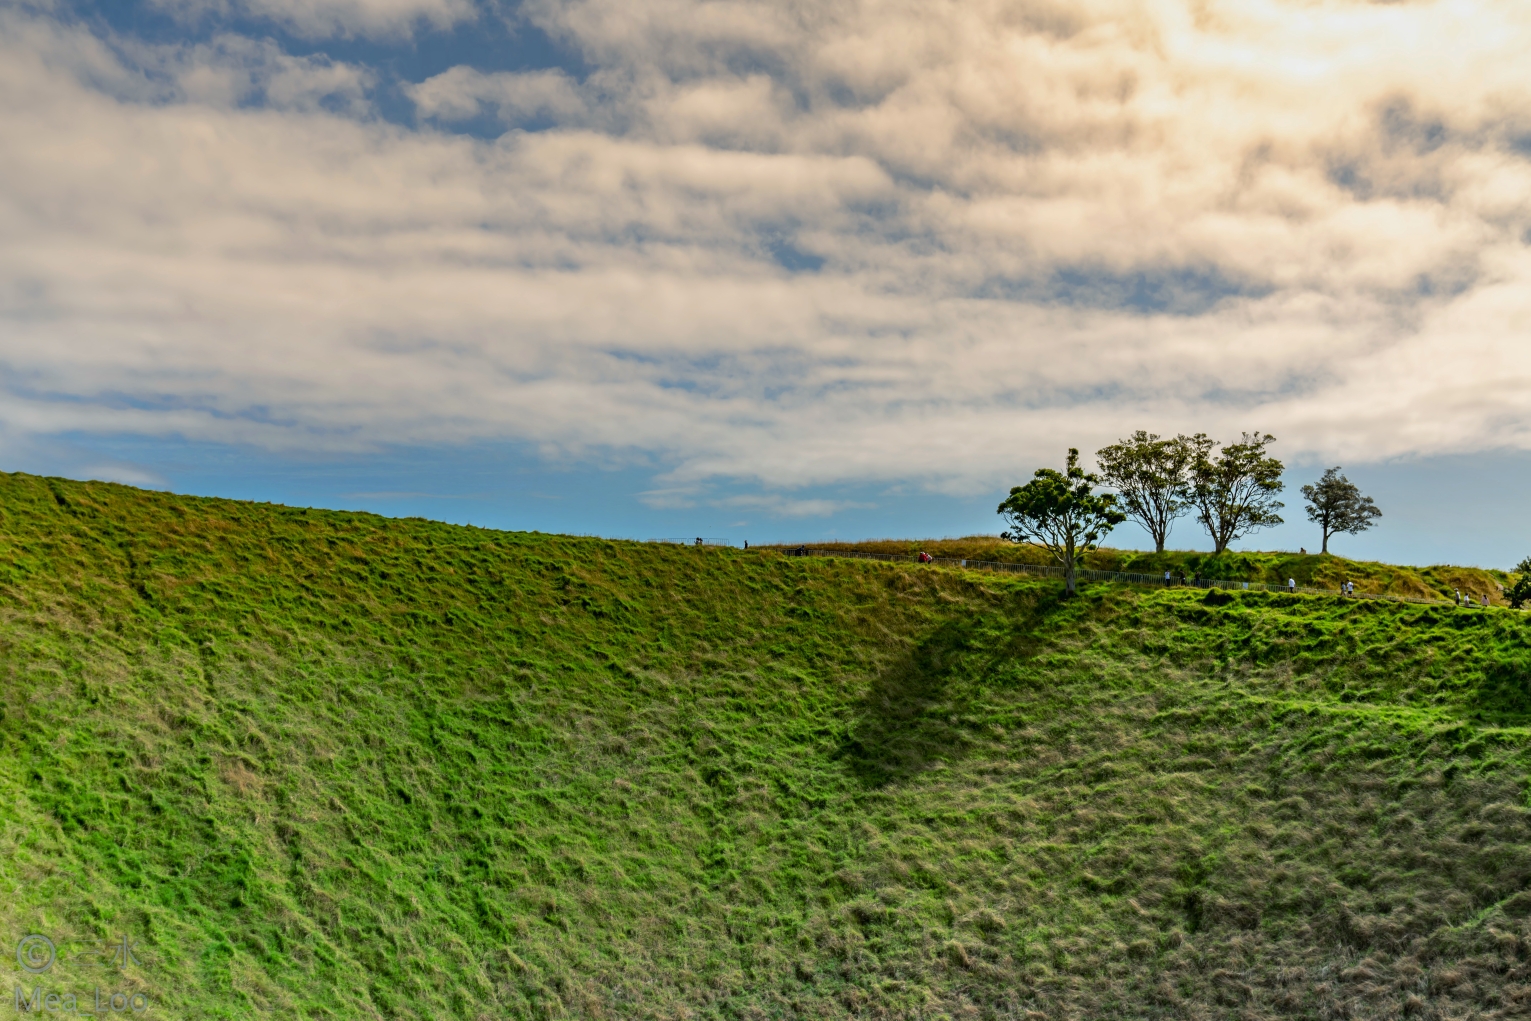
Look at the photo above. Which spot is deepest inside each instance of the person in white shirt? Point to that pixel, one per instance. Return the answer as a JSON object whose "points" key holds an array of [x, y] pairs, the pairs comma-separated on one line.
{"points": [[1291, 585]]}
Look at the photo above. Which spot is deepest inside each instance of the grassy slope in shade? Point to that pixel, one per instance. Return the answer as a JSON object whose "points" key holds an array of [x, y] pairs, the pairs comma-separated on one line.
{"points": [[333, 765], [1308, 569]]}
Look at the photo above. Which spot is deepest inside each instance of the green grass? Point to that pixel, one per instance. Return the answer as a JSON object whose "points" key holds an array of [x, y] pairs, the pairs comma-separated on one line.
{"points": [[333, 765], [1438, 582]]}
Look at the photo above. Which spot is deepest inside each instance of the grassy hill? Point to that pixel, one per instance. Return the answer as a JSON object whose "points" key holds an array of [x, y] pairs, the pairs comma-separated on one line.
{"points": [[330, 765], [1327, 571]]}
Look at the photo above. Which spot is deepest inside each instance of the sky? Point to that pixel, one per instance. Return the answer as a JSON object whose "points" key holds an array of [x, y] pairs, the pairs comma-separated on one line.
{"points": [[775, 271]]}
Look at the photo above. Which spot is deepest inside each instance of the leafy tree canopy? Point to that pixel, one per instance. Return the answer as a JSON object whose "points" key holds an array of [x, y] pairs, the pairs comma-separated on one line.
{"points": [[1062, 513], [1234, 491], [1520, 593], [1152, 477], [1335, 504]]}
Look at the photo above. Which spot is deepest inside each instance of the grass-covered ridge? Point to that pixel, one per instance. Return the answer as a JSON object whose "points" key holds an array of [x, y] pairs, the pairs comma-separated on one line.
{"points": [[1441, 581], [333, 765]]}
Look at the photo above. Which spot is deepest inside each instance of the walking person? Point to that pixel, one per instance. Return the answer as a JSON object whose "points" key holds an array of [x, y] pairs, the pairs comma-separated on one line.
{"points": [[1166, 577], [1291, 586]]}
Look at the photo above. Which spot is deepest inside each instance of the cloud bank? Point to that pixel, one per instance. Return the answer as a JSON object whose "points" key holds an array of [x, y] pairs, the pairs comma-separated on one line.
{"points": [[789, 244]]}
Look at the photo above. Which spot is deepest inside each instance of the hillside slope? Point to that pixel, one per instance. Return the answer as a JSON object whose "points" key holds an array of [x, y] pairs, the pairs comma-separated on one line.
{"points": [[317, 764], [1370, 577]]}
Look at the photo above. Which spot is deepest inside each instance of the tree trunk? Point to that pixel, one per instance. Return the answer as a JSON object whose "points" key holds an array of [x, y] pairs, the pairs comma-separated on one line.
{"points": [[1158, 545], [1326, 543], [1068, 579]]}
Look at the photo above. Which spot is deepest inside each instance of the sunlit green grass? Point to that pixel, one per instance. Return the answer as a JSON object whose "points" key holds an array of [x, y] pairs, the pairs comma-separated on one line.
{"points": [[1441, 581], [332, 765]]}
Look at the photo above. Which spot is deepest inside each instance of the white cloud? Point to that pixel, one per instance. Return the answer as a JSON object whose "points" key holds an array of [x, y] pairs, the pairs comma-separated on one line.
{"points": [[462, 93], [1037, 225], [232, 70], [787, 507], [125, 474]]}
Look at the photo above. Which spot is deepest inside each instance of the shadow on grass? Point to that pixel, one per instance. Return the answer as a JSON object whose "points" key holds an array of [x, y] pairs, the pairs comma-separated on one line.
{"points": [[914, 714], [1503, 697]]}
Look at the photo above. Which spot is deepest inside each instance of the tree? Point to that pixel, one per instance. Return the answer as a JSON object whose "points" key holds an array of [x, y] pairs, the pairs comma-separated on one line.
{"points": [[1234, 493], [1335, 504], [1152, 477], [1061, 512], [1520, 592]]}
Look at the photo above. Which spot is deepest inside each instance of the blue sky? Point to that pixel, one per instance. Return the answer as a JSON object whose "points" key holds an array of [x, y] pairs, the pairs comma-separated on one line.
{"points": [[1457, 509], [736, 268]]}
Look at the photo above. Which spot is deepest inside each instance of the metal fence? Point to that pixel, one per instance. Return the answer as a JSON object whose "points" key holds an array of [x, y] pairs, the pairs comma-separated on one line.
{"points": [[697, 541], [1126, 577]]}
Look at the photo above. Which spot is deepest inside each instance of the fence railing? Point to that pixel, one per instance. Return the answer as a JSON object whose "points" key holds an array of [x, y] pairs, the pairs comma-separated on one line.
{"points": [[697, 541], [1127, 577]]}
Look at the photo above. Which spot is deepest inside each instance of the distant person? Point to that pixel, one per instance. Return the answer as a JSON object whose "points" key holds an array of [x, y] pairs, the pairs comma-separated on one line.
{"points": [[746, 544], [1303, 550], [1291, 586], [1167, 578], [1485, 600]]}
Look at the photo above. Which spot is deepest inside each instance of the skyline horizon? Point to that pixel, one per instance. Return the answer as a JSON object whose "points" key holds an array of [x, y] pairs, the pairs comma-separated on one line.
{"points": [[526, 504]]}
